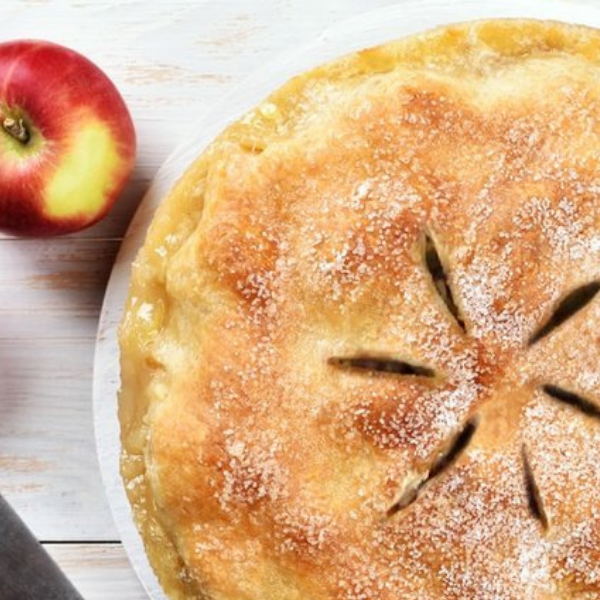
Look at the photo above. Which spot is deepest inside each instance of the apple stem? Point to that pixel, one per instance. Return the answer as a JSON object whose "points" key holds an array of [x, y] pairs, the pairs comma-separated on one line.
{"points": [[17, 129]]}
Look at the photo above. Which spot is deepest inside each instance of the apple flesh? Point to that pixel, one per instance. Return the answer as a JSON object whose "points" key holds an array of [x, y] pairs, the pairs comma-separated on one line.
{"points": [[67, 141]]}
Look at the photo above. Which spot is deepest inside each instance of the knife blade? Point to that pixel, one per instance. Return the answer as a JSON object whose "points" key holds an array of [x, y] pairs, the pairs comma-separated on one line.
{"points": [[26, 570]]}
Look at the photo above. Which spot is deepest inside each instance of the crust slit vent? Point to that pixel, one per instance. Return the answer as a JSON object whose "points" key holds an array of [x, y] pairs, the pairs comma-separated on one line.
{"points": [[575, 400], [439, 276], [380, 365], [571, 304], [534, 498], [444, 461]]}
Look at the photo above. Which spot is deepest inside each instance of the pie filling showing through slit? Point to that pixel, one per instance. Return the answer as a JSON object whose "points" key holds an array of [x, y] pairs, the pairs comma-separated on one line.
{"points": [[572, 303]]}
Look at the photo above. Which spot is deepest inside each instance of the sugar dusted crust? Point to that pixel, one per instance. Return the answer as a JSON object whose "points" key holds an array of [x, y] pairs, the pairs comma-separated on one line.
{"points": [[423, 205]]}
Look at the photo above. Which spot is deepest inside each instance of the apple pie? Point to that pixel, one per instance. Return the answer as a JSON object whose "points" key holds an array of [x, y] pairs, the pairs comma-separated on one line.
{"points": [[361, 351]]}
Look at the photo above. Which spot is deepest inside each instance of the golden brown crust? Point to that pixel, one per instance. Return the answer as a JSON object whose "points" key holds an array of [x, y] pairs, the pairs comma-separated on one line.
{"points": [[259, 460]]}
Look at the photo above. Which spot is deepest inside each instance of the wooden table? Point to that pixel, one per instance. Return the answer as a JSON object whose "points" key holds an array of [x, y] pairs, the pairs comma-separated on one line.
{"points": [[171, 61]]}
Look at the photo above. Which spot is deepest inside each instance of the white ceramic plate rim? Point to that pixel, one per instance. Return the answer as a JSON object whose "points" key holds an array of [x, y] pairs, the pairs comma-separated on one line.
{"points": [[365, 30]]}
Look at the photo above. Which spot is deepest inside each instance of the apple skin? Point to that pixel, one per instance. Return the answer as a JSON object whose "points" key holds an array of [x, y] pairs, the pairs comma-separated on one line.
{"points": [[81, 146]]}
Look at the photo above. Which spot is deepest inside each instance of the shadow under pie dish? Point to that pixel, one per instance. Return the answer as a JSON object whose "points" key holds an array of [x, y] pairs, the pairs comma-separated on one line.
{"points": [[359, 356]]}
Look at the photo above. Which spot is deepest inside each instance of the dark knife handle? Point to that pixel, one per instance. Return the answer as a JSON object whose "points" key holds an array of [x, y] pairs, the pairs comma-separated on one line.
{"points": [[26, 570]]}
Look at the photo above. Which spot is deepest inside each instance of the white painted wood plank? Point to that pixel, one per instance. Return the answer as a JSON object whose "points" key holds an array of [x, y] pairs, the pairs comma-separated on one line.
{"points": [[99, 572], [48, 465], [50, 295], [53, 277]]}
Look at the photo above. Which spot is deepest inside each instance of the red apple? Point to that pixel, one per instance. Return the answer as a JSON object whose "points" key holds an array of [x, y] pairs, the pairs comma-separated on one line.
{"points": [[67, 142]]}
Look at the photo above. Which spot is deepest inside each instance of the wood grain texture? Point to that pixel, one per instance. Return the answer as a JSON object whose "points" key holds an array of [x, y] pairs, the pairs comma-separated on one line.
{"points": [[50, 295], [98, 571], [172, 61]]}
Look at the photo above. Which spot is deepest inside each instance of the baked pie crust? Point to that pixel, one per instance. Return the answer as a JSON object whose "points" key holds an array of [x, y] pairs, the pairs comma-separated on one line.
{"points": [[360, 354]]}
